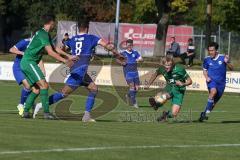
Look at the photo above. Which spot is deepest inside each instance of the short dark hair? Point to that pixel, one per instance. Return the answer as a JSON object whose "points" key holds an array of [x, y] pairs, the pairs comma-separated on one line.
{"points": [[46, 18], [129, 41], [213, 44], [173, 37], [83, 24], [66, 34], [190, 39]]}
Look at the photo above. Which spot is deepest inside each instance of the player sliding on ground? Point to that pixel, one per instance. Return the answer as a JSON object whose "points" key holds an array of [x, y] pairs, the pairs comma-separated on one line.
{"points": [[81, 45], [176, 81], [131, 72], [29, 65], [214, 70], [19, 76]]}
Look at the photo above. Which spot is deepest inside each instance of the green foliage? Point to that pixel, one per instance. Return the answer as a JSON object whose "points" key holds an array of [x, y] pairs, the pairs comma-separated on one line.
{"points": [[2, 7], [224, 13], [145, 11], [193, 12]]}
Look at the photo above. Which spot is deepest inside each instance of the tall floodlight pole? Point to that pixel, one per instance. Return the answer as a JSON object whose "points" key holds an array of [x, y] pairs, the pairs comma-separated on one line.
{"points": [[116, 24]]}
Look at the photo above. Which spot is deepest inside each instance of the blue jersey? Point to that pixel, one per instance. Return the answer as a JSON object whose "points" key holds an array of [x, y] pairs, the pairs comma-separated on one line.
{"points": [[21, 46], [216, 68], [131, 64], [82, 45]]}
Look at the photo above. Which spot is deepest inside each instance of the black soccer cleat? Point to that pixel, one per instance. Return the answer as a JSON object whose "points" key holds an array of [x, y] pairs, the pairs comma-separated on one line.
{"points": [[203, 117], [163, 118], [27, 115], [153, 103], [48, 116]]}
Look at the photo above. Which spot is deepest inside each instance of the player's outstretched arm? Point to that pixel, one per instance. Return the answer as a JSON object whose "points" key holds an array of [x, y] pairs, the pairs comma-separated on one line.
{"points": [[111, 48], [15, 51], [152, 79], [61, 52], [186, 83], [53, 54]]}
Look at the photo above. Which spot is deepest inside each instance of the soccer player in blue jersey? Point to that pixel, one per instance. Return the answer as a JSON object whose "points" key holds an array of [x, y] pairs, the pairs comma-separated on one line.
{"points": [[19, 76], [81, 45], [131, 72], [214, 71]]}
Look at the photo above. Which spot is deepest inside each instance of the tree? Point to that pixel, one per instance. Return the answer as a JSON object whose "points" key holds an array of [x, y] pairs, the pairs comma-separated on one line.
{"points": [[208, 23], [167, 10]]}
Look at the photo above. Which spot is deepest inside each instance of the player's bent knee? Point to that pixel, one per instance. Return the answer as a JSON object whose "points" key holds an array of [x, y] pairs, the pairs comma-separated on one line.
{"points": [[212, 93], [26, 85], [42, 84], [35, 90], [93, 87]]}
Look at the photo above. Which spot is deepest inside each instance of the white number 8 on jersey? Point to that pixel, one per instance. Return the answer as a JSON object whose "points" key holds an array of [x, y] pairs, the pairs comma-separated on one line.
{"points": [[78, 49]]}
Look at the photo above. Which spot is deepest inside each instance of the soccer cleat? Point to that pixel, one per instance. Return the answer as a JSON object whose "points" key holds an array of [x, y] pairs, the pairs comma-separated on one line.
{"points": [[87, 117], [26, 115], [163, 118], [153, 103], [36, 110], [203, 117], [128, 100], [20, 108], [48, 116], [135, 106]]}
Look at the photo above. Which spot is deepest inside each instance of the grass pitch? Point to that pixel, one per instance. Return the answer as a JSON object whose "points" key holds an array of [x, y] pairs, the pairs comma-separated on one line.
{"points": [[121, 132]]}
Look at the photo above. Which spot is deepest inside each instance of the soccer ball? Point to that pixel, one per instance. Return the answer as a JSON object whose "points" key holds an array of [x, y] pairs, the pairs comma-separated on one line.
{"points": [[161, 98]]}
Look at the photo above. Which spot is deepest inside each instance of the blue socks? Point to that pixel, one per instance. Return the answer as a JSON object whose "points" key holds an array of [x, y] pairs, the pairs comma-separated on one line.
{"points": [[55, 98], [90, 101], [132, 94], [209, 106], [24, 94]]}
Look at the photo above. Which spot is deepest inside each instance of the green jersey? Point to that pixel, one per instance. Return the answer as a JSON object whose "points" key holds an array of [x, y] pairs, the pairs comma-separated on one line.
{"points": [[178, 73], [39, 41]]}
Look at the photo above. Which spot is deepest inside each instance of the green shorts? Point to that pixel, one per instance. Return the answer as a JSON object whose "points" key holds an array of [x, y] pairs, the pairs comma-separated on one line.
{"points": [[32, 71], [177, 96]]}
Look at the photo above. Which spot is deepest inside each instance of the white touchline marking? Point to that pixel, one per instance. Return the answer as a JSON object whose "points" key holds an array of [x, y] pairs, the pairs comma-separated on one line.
{"points": [[142, 111], [117, 147]]}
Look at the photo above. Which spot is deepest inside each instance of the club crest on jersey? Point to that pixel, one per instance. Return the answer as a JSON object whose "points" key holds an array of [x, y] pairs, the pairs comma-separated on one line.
{"points": [[220, 62], [210, 64], [133, 55]]}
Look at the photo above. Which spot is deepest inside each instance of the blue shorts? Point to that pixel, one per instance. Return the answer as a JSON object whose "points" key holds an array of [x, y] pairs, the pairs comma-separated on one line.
{"points": [[75, 80], [132, 78], [219, 87], [17, 72]]}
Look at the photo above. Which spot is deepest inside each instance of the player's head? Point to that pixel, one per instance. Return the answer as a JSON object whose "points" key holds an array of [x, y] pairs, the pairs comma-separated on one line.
{"points": [[129, 44], [48, 21], [172, 39], [190, 40], [66, 36], [167, 62], [83, 25], [212, 49]]}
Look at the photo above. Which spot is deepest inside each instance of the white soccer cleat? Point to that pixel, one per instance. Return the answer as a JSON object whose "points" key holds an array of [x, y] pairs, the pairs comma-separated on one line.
{"points": [[87, 117], [37, 109], [20, 108], [135, 106]]}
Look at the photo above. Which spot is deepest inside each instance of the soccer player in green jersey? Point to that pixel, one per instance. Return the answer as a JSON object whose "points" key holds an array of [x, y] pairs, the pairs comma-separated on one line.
{"points": [[29, 65], [176, 81]]}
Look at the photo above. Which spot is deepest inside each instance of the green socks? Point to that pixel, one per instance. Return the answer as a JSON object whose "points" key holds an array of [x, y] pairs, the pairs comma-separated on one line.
{"points": [[170, 115], [30, 101], [44, 99]]}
